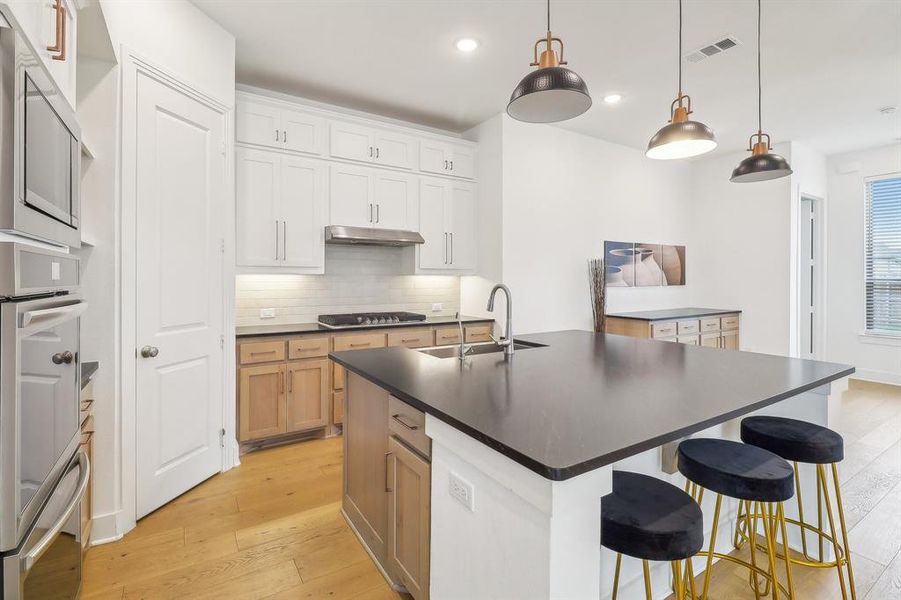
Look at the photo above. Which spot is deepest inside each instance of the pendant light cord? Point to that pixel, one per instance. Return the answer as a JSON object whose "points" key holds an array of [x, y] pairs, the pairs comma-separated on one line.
{"points": [[759, 85], [680, 52], [548, 15]]}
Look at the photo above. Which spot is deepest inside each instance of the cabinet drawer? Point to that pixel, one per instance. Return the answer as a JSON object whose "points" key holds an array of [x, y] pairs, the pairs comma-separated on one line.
{"points": [[691, 340], [259, 352], [338, 407], [410, 338], [710, 325], [685, 327], [308, 347], [446, 336], [729, 323], [359, 341], [477, 333], [662, 330], [408, 424]]}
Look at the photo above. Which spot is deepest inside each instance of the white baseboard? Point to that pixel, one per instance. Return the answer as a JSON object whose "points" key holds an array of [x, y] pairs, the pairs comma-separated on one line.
{"points": [[878, 376], [105, 529]]}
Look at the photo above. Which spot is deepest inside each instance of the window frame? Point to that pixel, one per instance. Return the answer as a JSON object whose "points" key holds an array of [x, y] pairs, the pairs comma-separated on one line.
{"points": [[881, 336]]}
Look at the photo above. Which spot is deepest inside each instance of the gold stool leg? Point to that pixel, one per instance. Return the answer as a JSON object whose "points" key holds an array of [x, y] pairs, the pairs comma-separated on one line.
{"points": [[690, 575], [770, 549], [619, 562], [841, 520], [780, 516], [647, 579], [752, 541], [820, 515], [678, 587], [801, 511], [716, 521], [821, 476], [737, 539]]}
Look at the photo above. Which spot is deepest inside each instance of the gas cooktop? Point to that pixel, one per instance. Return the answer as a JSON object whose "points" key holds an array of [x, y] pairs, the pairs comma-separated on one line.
{"points": [[368, 319]]}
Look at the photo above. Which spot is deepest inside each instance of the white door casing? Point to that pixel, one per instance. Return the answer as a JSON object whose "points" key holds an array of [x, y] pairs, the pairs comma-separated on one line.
{"points": [[180, 184]]}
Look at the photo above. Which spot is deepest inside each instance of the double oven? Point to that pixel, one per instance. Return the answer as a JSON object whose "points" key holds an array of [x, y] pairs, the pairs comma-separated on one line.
{"points": [[43, 472]]}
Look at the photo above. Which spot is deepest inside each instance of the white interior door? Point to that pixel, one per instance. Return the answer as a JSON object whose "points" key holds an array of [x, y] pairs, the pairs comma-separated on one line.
{"points": [[180, 196], [807, 275]]}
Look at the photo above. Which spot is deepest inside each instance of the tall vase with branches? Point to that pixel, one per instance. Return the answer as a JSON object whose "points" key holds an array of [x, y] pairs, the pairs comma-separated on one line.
{"points": [[597, 287]]}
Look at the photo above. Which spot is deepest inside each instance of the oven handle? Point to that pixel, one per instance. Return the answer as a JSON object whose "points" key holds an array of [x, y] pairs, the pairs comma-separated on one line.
{"points": [[43, 544], [48, 317]]}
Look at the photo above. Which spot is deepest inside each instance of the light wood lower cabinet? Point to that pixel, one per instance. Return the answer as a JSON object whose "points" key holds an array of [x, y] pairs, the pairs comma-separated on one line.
{"points": [[308, 394], [409, 490], [365, 463], [262, 408], [710, 332], [729, 340]]}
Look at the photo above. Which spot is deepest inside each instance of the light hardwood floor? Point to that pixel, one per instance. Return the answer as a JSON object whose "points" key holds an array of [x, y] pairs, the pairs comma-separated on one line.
{"points": [[272, 527]]}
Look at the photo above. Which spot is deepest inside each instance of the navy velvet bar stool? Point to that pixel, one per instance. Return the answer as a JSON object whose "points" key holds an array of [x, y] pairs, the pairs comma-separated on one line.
{"points": [[803, 442], [757, 478], [649, 519]]}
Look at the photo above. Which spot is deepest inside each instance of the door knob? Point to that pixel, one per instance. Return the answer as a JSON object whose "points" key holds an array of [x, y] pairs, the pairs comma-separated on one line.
{"points": [[62, 358], [149, 351]]}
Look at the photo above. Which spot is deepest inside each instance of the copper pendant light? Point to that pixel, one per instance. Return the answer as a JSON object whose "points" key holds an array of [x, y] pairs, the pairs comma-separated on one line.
{"points": [[763, 164], [681, 138], [551, 93]]}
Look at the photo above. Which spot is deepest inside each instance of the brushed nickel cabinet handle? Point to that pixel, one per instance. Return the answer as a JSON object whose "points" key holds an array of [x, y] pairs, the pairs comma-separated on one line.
{"points": [[262, 352], [370, 152], [276, 239], [376, 152], [452, 165], [362, 345], [284, 240], [377, 211], [452, 248], [276, 135], [285, 135], [281, 380], [387, 459], [445, 165], [400, 419], [445, 248]]}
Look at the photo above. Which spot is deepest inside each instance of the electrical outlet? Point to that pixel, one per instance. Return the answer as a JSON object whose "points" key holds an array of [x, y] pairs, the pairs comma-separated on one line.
{"points": [[267, 313], [437, 307], [461, 490]]}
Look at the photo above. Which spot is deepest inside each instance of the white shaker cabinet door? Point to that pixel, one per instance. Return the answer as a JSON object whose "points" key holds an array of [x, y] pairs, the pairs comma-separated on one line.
{"points": [[394, 149], [394, 195], [301, 207], [302, 132], [433, 254], [352, 142], [462, 251], [257, 193], [463, 162], [258, 123], [433, 157], [351, 196]]}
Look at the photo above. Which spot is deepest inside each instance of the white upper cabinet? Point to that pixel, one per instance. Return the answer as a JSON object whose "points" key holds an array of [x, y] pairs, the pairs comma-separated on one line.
{"points": [[371, 145], [447, 222], [280, 210], [364, 197], [271, 125], [444, 158], [52, 29]]}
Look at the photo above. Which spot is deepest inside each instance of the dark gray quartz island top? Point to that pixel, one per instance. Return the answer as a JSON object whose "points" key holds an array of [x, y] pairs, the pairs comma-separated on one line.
{"points": [[304, 328], [586, 400], [673, 314]]}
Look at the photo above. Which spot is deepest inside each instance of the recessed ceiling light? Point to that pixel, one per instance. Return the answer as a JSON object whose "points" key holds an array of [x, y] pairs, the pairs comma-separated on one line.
{"points": [[613, 98], [467, 44]]}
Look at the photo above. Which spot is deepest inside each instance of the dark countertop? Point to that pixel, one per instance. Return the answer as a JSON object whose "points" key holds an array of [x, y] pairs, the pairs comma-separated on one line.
{"points": [[673, 314], [87, 371], [587, 400], [284, 329]]}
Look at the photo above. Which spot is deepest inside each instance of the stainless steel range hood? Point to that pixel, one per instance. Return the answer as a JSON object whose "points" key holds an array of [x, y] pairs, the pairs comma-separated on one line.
{"points": [[369, 236]]}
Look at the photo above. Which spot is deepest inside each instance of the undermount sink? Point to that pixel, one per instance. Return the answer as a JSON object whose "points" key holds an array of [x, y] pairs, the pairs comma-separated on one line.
{"points": [[489, 348]]}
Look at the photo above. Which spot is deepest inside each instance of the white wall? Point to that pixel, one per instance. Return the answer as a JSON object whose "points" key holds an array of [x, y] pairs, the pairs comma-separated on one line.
{"points": [[97, 105], [845, 283], [562, 195], [742, 249], [177, 37]]}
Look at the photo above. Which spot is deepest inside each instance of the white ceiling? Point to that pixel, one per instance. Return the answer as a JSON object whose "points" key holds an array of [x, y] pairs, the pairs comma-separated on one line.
{"points": [[829, 65]]}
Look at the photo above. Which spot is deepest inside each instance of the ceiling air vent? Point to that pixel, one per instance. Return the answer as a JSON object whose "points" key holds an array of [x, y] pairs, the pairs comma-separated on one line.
{"points": [[722, 44]]}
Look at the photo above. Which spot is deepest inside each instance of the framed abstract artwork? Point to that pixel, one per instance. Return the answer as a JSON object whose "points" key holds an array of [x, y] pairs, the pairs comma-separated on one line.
{"points": [[644, 264]]}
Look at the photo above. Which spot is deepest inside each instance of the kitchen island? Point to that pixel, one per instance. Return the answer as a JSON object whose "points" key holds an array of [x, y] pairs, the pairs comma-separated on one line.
{"points": [[533, 440]]}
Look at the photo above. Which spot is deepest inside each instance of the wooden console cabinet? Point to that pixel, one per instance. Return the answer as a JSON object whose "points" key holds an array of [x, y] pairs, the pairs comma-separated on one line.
{"points": [[716, 330]]}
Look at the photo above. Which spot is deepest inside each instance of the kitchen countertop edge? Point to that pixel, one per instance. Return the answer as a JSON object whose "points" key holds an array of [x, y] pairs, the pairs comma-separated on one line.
{"points": [[670, 314], [244, 331]]}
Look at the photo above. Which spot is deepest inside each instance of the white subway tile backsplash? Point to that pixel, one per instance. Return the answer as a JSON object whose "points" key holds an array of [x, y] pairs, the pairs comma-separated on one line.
{"points": [[355, 280]]}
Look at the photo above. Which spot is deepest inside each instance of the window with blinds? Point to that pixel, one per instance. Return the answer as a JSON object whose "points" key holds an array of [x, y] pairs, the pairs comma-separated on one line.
{"points": [[883, 255]]}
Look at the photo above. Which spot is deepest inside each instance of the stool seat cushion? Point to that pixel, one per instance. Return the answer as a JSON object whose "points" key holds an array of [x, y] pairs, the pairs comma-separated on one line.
{"points": [[650, 519], [736, 470], [794, 440]]}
